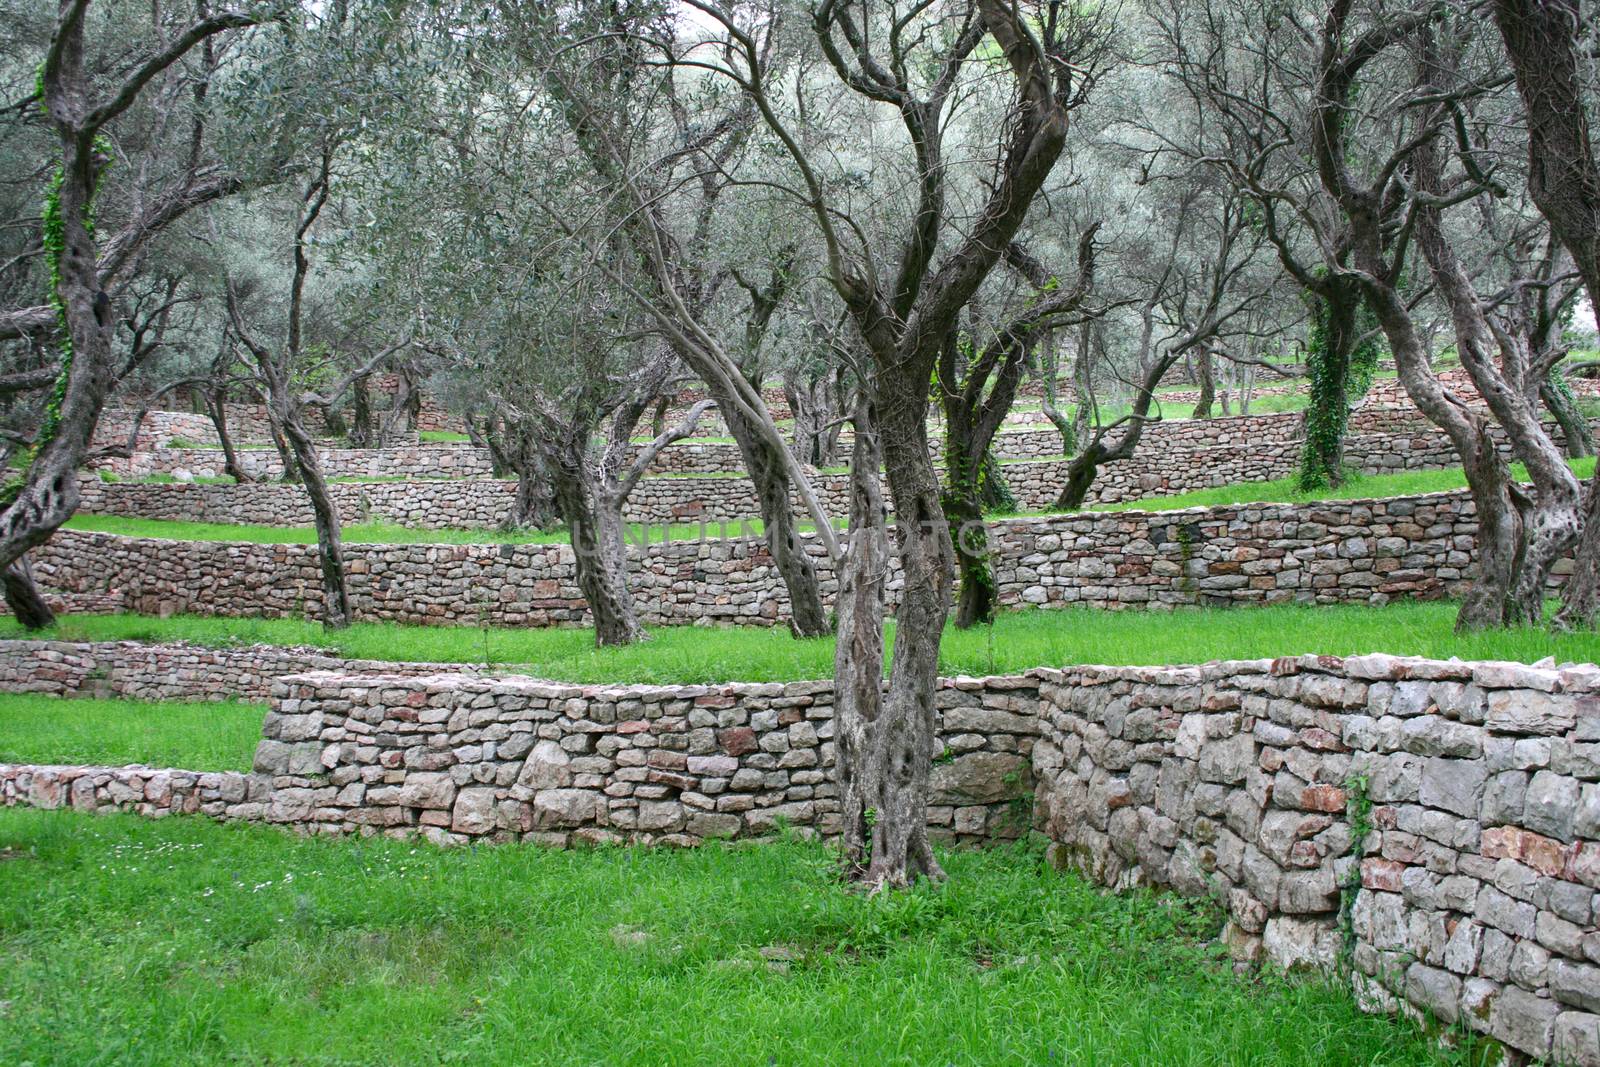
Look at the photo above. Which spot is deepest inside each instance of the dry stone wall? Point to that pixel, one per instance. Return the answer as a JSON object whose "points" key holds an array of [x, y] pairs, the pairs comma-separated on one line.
{"points": [[457, 758], [157, 429], [137, 670], [428, 504], [1436, 822], [1435, 825], [449, 487], [1357, 551], [409, 461]]}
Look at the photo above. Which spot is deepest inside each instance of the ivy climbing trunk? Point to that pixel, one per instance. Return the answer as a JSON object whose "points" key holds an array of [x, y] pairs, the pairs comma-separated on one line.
{"points": [[1332, 359], [46, 495]]}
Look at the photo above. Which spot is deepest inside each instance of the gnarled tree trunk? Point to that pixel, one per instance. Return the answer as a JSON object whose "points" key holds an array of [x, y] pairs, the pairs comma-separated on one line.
{"points": [[769, 476], [1334, 308], [1205, 371], [858, 654], [27, 604], [1577, 438], [903, 744], [600, 552]]}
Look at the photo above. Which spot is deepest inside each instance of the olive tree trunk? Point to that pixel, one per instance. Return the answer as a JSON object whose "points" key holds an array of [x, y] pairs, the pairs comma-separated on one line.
{"points": [[770, 477], [336, 610], [600, 552], [858, 653]]}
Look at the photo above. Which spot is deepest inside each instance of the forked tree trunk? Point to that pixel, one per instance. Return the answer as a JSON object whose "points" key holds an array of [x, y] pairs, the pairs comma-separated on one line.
{"points": [[769, 476], [600, 553], [1499, 517], [1551, 518], [75, 109], [858, 654]]}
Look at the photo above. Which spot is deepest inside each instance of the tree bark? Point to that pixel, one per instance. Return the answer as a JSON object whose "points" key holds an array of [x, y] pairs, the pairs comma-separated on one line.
{"points": [[858, 654], [336, 611], [1496, 498], [1205, 371], [216, 407], [1577, 439], [769, 476], [533, 505], [27, 604], [1542, 40], [360, 431], [600, 552], [1334, 308], [903, 745]]}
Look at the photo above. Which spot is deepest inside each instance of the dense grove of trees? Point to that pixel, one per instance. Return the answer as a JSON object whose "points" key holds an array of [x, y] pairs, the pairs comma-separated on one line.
{"points": [[556, 216]]}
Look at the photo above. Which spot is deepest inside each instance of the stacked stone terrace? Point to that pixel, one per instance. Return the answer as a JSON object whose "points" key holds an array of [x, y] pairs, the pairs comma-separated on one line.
{"points": [[1451, 810], [1327, 552], [448, 487], [1434, 824]]}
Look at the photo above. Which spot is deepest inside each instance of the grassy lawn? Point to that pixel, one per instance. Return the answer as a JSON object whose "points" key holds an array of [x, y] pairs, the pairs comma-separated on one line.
{"points": [[1284, 490], [199, 737], [1016, 642], [186, 942], [442, 437]]}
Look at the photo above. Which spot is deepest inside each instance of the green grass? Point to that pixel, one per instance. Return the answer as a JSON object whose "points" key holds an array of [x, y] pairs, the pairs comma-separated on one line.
{"points": [[239, 446], [1016, 642], [162, 478], [442, 437], [200, 737], [1357, 487], [187, 942]]}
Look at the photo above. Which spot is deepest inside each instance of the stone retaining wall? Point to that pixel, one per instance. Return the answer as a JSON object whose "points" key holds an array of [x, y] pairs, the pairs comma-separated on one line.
{"points": [[428, 504], [1452, 809], [1435, 824], [138, 670], [406, 461], [157, 430], [449, 487], [1357, 551], [457, 758]]}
